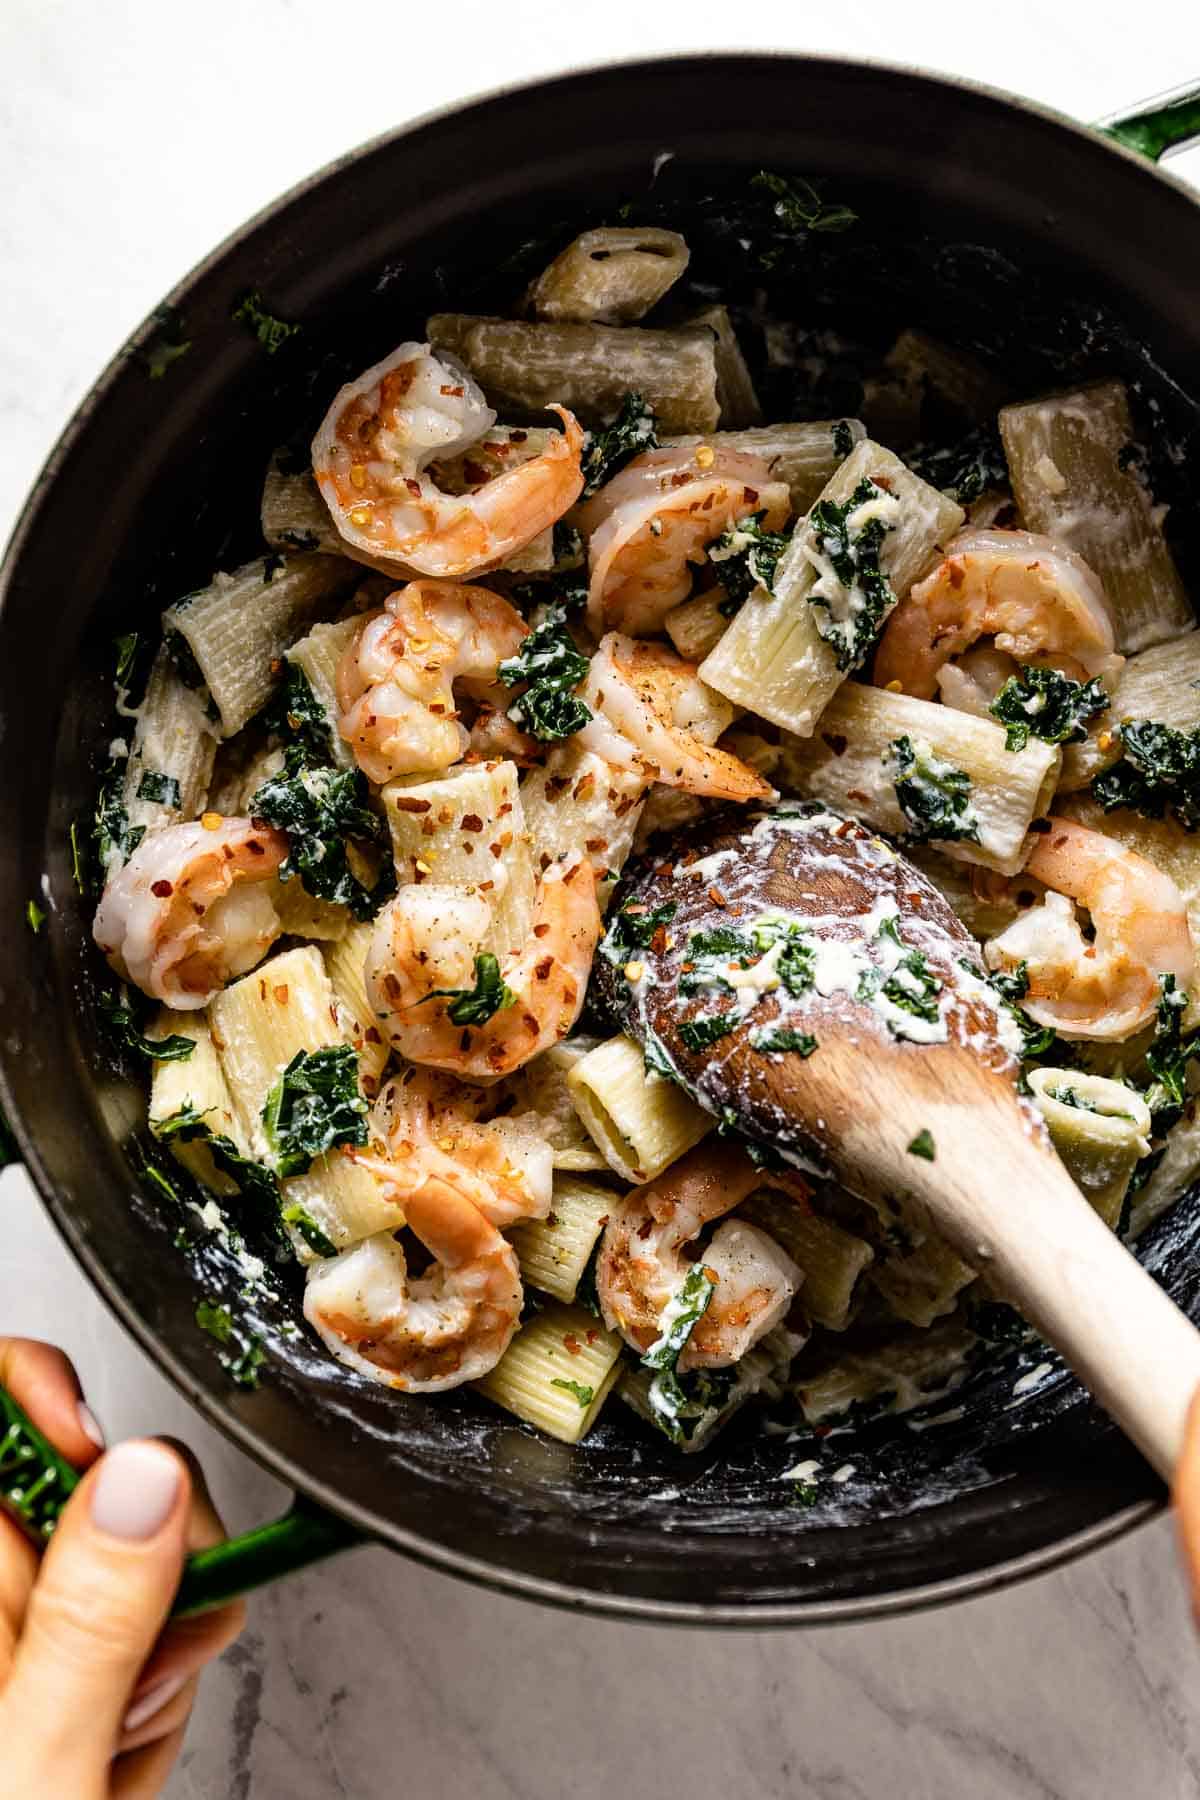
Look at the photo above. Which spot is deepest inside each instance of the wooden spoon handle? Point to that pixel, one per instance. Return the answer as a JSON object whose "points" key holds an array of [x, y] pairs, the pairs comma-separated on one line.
{"points": [[1012, 1211]]}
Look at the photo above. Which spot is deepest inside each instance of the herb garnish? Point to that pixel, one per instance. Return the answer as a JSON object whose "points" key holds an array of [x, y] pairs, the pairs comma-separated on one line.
{"points": [[552, 665], [272, 333], [679, 1319], [163, 790], [1012, 985], [745, 557], [186, 1123], [965, 470], [115, 839], [475, 1006], [923, 1146], [799, 206], [699, 1033], [121, 1026], [1042, 703], [794, 964], [579, 1389], [169, 344], [1159, 773], [319, 808], [35, 916], [315, 1105], [607, 450], [933, 795], [850, 553], [633, 928], [910, 985], [773, 1040], [302, 1221], [1169, 1055], [216, 1319]]}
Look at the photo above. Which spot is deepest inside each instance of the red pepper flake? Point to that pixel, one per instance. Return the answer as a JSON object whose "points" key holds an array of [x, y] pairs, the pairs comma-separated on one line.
{"points": [[557, 786], [403, 803], [542, 970], [594, 845], [666, 870], [281, 993], [162, 888], [539, 931], [592, 1335], [572, 1343], [844, 829], [372, 1036], [857, 794], [584, 786], [717, 897], [658, 943]]}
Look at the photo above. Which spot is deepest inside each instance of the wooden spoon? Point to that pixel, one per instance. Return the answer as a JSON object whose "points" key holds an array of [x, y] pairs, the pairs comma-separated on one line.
{"points": [[919, 1115]]}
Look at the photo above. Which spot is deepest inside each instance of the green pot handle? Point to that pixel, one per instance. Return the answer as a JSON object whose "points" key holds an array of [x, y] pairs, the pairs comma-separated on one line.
{"points": [[36, 1483], [1167, 122]]}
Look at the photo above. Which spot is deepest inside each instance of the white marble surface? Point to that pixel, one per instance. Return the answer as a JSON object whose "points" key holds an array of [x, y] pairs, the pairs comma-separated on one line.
{"points": [[133, 135]]}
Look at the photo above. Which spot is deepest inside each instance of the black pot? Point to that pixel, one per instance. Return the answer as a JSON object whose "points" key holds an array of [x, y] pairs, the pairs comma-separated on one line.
{"points": [[1093, 260]]}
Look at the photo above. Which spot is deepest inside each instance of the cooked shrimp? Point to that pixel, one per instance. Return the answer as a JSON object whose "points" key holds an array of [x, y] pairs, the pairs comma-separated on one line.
{"points": [[371, 457], [650, 524], [430, 1123], [1109, 988], [187, 912], [426, 942], [396, 677], [644, 699], [644, 1258], [428, 1333], [1038, 600]]}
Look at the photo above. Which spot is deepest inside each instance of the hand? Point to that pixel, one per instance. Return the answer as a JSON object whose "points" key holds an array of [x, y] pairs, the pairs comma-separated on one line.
{"points": [[95, 1685], [1185, 1491]]}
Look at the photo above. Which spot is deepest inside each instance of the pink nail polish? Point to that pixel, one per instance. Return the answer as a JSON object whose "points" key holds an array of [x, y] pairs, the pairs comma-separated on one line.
{"points": [[136, 1489], [89, 1425], [152, 1701]]}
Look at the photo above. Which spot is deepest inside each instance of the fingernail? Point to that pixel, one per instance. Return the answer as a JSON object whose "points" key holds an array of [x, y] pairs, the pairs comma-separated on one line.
{"points": [[136, 1489], [152, 1701], [88, 1424]]}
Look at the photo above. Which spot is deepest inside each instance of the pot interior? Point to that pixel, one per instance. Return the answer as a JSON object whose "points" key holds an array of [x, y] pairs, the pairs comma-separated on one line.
{"points": [[994, 231]]}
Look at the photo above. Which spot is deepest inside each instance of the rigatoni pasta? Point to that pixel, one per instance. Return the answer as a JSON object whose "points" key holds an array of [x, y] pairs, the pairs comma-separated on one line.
{"points": [[610, 276], [640, 1122]]}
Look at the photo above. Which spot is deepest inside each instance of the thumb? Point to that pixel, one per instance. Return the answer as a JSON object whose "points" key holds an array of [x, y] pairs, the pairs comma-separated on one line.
{"points": [[100, 1600]]}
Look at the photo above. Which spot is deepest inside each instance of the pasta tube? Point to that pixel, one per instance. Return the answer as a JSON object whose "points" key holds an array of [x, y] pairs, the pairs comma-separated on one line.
{"points": [[717, 1394], [171, 762], [1101, 1130], [737, 401], [924, 1284], [554, 1252], [774, 660], [1161, 683], [804, 454], [557, 1372], [1072, 478], [832, 1259], [588, 368], [609, 276], [640, 1121], [539, 1093], [195, 1086], [345, 959], [853, 766]]}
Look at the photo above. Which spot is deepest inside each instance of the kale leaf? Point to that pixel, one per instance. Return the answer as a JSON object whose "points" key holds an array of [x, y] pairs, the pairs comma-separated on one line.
{"points": [[122, 1028], [778, 1039], [909, 985], [186, 1123], [965, 470], [607, 450], [579, 1390], [1159, 773], [302, 1221], [1168, 1056], [475, 1006], [924, 1146], [679, 1319], [1044, 704], [216, 1319], [296, 715], [852, 553], [842, 439], [800, 207], [698, 1034], [553, 667], [633, 929], [1012, 985], [934, 796], [115, 839], [794, 964], [272, 333], [319, 808], [315, 1105], [162, 789], [746, 557]]}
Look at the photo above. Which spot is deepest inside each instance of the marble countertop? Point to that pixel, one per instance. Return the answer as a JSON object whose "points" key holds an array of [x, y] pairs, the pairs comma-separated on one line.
{"points": [[134, 135]]}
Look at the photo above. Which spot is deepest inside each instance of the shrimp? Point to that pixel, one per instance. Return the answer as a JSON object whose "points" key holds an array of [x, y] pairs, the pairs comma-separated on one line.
{"points": [[371, 457], [429, 1121], [187, 912], [646, 703], [650, 523], [1109, 988], [644, 1258], [424, 956], [396, 676], [1037, 599], [428, 1333]]}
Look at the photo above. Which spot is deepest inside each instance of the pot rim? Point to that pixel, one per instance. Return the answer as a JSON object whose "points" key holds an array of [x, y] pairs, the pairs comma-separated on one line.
{"points": [[496, 1577]]}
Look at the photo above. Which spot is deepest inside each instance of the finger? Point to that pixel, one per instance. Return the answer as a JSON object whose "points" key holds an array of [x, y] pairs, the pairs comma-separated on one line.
{"points": [[100, 1600], [18, 1566], [157, 1717], [42, 1381], [142, 1774], [187, 1645], [1186, 1494]]}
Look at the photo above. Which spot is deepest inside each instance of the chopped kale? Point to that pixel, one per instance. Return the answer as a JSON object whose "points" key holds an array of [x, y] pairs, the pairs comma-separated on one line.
{"points": [[1159, 773], [746, 557], [183, 659], [800, 207], [633, 929], [679, 1319], [296, 715], [655, 1059], [1070, 1096], [794, 964], [1044, 704], [127, 652], [245, 1367], [255, 1182], [216, 1319], [78, 863], [1012, 985], [923, 1146], [122, 1029], [168, 345], [553, 667], [186, 1123], [475, 1006], [710, 955], [934, 796], [162, 789], [315, 1105], [115, 839], [578, 1389], [773, 1040], [302, 1221], [910, 986], [320, 808], [965, 470], [842, 438], [699, 1033], [850, 552], [568, 548], [722, 940], [607, 450], [35, 916], [1168, 1057], [272, 333]]}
